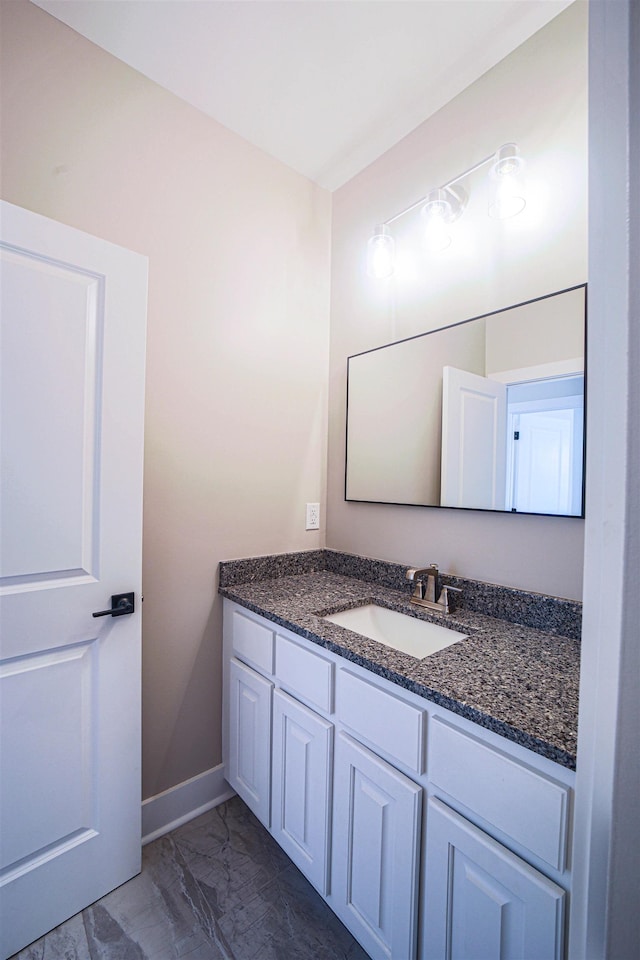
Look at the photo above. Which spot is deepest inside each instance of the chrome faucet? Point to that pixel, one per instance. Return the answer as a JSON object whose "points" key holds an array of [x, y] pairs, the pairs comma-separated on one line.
{"points": [[427, 591], [426, 582]]}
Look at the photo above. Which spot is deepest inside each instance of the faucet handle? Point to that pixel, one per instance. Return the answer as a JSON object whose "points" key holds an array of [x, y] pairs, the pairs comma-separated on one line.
{"points": [[414, 575], [443, 599]]}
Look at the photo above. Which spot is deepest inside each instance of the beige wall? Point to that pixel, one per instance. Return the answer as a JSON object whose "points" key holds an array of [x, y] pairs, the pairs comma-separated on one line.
{"points": [[238, 248], [536, 97]]}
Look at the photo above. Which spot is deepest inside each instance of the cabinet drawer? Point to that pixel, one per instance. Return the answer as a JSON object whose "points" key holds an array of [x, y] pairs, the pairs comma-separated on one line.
{"points": [[306, 674], [525, 805], [382, 719], [252, 642]]}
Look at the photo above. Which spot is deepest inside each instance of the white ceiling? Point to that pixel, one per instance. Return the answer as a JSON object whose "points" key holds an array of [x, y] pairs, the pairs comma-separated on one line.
{"points": [[326, 86]]}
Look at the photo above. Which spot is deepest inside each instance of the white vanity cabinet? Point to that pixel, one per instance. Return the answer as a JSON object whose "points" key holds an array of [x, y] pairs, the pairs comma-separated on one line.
{"points": [[302, 761], [485, 894], [481, 902], [278, 750], [377, 815], [375, 850], [430, 837], [248, 758]]}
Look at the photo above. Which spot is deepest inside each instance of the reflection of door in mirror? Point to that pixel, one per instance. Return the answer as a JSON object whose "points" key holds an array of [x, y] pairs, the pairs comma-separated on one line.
{"points": [[474, 435], [516, 447], [545, 446]]}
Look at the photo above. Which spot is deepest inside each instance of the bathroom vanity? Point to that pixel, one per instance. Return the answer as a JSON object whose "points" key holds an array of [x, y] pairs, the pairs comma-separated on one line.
{"points": [[429, 801]]}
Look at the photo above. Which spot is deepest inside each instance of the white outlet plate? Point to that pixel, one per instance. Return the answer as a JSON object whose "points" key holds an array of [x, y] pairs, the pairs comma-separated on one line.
{"points": [[313, 516]]}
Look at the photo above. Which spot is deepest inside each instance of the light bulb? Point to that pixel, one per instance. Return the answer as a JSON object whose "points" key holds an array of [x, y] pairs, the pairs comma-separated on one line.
{"points": [[507, 196], [381, 250], [436, 233], [443, 206]]}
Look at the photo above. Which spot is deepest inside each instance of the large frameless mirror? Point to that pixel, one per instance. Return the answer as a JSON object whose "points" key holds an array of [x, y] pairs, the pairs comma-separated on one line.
{"points": [[487, 414]]}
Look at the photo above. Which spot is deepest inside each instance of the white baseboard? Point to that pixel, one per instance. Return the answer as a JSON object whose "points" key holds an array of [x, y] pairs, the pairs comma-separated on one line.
{"points": [[182, 803]]}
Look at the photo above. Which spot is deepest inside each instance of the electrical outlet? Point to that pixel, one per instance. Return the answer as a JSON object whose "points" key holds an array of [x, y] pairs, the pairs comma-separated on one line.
{"points": [[313, 516]]}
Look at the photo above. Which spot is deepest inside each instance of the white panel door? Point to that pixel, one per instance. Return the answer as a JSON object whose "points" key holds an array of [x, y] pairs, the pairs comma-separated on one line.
{"points": [[250, 738], [376, 835], [301, 786], [474, 439], [545, 479], [73, 316], [481, 901]]}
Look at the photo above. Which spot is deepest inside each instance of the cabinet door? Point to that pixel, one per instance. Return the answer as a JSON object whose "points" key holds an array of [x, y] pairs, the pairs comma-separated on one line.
{"points": [[481, 901], [249, 770], [301, 792], [375, 851]]}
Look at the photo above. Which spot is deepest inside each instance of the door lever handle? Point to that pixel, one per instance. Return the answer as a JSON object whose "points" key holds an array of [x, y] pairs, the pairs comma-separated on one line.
{"points": [[121, 604]]}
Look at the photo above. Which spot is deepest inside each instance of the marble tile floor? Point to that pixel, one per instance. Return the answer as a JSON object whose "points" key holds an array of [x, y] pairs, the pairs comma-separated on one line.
{"points": [[217, 888]]}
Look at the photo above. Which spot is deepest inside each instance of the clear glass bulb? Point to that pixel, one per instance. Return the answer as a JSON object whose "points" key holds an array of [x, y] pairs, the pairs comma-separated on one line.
{"points": [[437, 213], [381, 250], [437, 235], [507, 196]]}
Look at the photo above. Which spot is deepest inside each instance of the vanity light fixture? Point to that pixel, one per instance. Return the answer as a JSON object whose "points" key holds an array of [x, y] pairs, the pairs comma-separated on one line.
{"points": [[443, 205]]}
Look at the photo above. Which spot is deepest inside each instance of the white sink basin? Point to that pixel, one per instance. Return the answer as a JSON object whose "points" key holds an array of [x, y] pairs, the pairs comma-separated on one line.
{"points": [[418, 638]]}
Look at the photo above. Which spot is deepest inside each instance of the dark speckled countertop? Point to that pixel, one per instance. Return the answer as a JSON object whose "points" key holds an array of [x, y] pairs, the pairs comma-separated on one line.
{"points": [[517, 680]]}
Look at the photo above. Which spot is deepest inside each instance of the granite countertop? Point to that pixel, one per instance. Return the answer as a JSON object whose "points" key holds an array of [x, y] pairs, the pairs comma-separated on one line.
{"points": [[519, 681]]}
